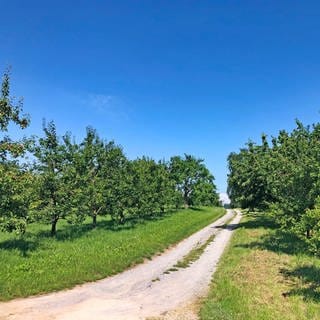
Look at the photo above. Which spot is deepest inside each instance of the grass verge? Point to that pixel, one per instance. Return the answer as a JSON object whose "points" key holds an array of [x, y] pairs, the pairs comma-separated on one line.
{"points": [[265, 274], [37, 263]]}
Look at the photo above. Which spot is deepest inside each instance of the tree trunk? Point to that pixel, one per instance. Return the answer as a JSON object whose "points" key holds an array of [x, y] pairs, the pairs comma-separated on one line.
{"points": [[186, 198], [94, 220], [121, 218], [186, 202], [54, 226], [308, 234]]}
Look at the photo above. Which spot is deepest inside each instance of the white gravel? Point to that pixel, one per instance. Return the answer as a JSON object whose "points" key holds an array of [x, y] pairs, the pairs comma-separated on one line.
{"points": [[132, 294]]}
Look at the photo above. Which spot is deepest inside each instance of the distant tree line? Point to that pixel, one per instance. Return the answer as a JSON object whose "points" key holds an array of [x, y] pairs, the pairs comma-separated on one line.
{"points": [[283, 176], [73, 181]]}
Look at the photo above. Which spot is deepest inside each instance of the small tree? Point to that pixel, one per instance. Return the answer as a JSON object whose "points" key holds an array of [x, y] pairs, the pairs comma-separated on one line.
{"points": [[55, 172], [98, 168]]}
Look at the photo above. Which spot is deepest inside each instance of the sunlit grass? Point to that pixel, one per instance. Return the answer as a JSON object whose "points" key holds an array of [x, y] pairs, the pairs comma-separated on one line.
{"points": [[38, 263], [265, 274]]}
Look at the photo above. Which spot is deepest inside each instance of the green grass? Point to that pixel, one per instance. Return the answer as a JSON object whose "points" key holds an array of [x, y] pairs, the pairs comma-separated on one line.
{"points": [[265, 274], [37, 263], [194, 254]]}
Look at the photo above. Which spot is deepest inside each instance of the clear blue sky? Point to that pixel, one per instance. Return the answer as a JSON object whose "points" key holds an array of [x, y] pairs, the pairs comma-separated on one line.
{"points": [[166, 77]]}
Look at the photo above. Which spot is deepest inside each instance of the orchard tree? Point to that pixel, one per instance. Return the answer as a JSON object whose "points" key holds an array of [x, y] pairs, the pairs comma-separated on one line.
{"points": [[295, 176], [248, 177], [284, 177], [99, 165], [15, 181], [205, 193], [188, 173], [56, 198], [153, 190], [166, 193], [144, 186]]}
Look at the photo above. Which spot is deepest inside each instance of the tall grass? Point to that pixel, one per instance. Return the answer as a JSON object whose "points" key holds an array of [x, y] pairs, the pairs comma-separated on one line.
{"points": [[38, 263]]}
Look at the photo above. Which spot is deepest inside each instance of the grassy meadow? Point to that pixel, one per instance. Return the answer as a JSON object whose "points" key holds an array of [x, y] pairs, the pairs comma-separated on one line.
{"points": [[265, 274], [37, 263]]}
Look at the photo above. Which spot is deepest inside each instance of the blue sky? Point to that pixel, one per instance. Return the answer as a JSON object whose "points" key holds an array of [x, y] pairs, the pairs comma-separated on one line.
{"points": [[166, 77]]}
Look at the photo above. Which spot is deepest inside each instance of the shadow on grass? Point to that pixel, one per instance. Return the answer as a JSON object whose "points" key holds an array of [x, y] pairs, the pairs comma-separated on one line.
{"points": [[24, 246], [306, 278], [258, 220], [278, 240], [31, 241], [66, 232], [195, 209], [309, 275]]}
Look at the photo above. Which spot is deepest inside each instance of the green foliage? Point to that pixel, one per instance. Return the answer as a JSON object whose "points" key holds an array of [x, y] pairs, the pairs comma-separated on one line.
{"points": [[205, 194], [15, 197], [247, 181], [310, 226], [15, 180], [152, 189], [10, 111], [98, 165], [284, 177], [55, 177], [193, 180], [295, 178]]}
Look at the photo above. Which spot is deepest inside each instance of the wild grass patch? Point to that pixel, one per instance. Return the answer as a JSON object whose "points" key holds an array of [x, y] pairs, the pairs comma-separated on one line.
{"points": [[194, 254]]}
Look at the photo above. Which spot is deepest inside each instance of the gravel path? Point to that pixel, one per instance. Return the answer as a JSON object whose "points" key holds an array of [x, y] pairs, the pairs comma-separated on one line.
{"points": [[143, 292]]}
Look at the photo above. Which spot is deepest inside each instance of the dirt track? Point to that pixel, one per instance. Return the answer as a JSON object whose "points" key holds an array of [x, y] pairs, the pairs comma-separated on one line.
{"points": [[142, 292]]}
